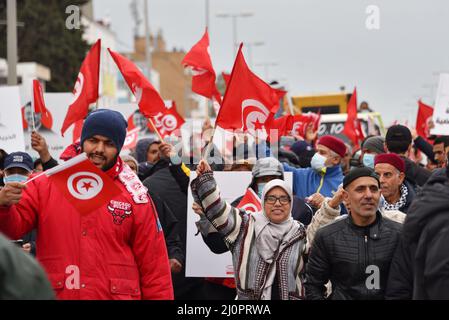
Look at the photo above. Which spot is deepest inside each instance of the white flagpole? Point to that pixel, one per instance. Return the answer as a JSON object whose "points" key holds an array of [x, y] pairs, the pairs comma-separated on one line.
{"points": [[33, 108]]}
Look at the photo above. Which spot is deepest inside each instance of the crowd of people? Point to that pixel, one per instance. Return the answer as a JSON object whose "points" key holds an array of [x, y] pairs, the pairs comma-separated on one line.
{"points": [[357, 223]]}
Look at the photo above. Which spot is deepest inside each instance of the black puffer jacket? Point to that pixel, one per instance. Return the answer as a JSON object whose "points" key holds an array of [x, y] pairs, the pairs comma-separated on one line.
{"points": [[426, 241], [355, 259], [416, 175]]}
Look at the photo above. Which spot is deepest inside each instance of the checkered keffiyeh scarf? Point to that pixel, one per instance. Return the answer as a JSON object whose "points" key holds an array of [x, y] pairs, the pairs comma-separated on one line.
{"points": [[400, 203]]}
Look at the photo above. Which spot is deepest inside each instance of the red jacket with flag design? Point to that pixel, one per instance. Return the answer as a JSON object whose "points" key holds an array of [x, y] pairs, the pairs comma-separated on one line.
{"points": [[115, 252]]}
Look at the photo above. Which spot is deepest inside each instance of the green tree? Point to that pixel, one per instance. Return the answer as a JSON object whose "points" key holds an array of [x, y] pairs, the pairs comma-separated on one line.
{"points": [[46, 40]]}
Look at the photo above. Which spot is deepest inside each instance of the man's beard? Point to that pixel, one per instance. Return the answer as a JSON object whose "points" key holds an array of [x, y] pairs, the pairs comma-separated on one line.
{"points": [[110, 164], [107, 165]]}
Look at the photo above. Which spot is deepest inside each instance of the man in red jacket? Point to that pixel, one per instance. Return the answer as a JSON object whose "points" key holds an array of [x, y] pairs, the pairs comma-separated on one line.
{"points": [[115, 252]]}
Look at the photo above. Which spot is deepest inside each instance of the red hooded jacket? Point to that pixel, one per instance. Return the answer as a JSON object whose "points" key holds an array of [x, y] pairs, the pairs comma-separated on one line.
{"points": [[116, 252]]}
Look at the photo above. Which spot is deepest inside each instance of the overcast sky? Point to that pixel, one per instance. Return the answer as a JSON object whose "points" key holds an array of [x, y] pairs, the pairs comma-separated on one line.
{"points": [[318, 45]]}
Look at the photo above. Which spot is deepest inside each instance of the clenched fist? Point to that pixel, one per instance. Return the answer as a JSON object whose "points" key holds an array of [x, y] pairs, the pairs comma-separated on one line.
{"points": [[11, 193]]}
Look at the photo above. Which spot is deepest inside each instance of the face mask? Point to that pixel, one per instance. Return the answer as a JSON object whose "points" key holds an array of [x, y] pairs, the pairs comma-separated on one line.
{"points": [[15, 178], [318, 162], [260, 187], [368, 160]]}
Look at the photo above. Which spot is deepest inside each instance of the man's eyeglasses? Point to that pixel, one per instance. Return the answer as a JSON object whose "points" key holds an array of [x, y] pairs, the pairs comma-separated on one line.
{"points": [[273, 199]]}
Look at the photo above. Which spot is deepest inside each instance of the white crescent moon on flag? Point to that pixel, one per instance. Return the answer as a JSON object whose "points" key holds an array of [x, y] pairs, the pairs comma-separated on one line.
{"points": [[84, 185], [79, 84], [252, 111]]}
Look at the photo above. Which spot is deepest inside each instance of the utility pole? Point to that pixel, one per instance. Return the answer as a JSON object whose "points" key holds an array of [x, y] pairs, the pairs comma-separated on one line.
{"points": [[147, 42], [11, 21], [207, 16], [234, 17]]}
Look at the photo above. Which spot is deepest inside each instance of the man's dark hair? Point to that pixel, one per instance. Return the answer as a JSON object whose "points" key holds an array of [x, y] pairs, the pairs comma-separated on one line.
{"points": [[397, 146], [442, 139], [37, 162], [398, 139]]}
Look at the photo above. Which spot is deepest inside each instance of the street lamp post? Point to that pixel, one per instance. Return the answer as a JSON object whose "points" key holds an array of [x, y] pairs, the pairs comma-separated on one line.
{"points": [[207, 15], [11, 21], [234, 17], [250, 46], [147, 42], [266, 65]]}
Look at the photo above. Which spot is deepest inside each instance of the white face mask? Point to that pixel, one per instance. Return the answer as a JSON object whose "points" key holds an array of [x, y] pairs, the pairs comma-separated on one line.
{"points": [[15, 178], [260, 187], [318, 162], [368, 160]]}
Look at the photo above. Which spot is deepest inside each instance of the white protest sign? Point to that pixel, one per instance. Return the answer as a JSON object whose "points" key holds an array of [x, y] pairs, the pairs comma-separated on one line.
{"points": [[441, 111], [50, 128], [200, 261], [11, 133]]}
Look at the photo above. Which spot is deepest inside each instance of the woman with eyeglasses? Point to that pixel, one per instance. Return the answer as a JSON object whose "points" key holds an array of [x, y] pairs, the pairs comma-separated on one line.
{"points": [[267, 247]]}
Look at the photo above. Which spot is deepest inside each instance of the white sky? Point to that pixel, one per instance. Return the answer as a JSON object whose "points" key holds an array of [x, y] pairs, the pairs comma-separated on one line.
{"points": [[318, 45]]}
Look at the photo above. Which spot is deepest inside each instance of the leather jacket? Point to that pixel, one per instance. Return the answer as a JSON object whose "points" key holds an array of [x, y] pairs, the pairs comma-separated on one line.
{"points": [[356, 260]]}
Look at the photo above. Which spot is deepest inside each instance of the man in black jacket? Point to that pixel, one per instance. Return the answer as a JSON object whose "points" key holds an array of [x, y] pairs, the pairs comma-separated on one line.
{"points": [[170, 183], [354, 253], [419, 268]]}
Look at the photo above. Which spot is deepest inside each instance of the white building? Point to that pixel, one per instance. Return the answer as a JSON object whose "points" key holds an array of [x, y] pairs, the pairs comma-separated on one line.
{"points": [[108, 70], [26, 73]]}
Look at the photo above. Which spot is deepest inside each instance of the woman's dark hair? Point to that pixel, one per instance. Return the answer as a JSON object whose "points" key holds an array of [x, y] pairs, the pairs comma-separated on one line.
{"points": [[3, 155]]}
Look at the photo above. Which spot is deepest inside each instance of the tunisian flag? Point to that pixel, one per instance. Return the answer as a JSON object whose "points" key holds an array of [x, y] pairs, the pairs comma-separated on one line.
{"points": [[226, 78], [131, 139], [149, 101], [302, 121], [250, 202], [284, 125], [353, 128], [39, 104], [85, 186], [168, 122], [423, 118], [249, 102], [199, 61], [86, 87]]}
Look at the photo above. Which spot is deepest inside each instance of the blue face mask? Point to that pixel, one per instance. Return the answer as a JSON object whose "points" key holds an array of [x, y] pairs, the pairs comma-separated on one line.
{"points": [[15, 178], [368, 160], [260, 187]]}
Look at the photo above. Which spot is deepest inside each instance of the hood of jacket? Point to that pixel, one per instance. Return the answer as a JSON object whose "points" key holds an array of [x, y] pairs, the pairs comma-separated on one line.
{"points": [[142, 148]]}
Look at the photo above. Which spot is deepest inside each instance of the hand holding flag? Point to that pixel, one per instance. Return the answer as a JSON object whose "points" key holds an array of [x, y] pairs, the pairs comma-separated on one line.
{"points": [[85, 186]]}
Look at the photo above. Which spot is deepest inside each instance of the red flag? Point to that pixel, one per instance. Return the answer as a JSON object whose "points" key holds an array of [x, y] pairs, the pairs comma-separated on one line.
{"points": [[226, 78], [199, 61], [131, 139], [85, 186], [168, 122], [86, 87], [250, 202], [249, 101], [353, 127], [77, 130], [149, 101], [284, 125], [423, 118], [302, 121], [38, 98]]}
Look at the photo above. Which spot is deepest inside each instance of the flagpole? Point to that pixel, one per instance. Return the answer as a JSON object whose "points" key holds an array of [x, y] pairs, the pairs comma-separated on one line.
{"points": [[33, 106], [155, 129]]}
